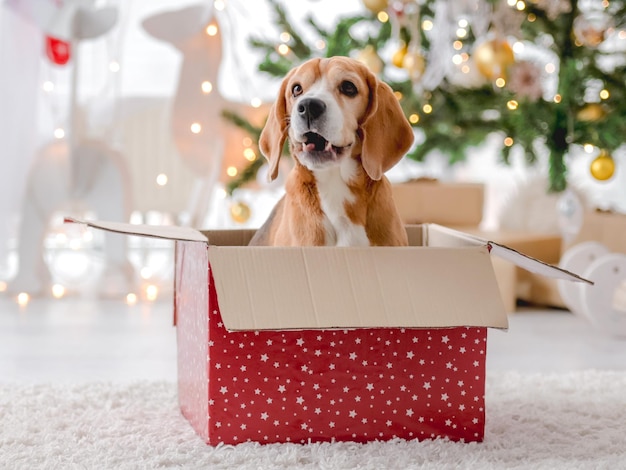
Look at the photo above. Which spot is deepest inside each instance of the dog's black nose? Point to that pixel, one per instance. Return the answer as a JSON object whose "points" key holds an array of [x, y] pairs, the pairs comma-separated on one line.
{"points": [[311, 108]]}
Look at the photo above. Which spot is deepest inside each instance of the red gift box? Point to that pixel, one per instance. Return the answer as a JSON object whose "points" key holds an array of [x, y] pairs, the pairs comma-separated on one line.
{"points": [[334, 344]]}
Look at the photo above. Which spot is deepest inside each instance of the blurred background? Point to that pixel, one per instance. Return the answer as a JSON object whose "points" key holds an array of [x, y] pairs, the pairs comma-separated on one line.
{"points": [[148, 111]]}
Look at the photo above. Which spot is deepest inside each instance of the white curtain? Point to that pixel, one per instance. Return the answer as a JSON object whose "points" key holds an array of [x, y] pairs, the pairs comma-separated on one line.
{"points": [[21, 45]]}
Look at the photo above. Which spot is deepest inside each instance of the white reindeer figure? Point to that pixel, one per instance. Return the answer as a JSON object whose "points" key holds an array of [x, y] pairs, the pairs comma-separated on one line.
{"points": [[74, 173], [205, 141]]}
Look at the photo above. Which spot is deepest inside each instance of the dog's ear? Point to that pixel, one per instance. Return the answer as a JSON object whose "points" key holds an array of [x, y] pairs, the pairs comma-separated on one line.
{"points": [[386, 133], [275, 131]]}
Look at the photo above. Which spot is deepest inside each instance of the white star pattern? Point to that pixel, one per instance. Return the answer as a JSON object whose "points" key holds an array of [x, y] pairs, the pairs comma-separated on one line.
{"points": [[369, 383]]}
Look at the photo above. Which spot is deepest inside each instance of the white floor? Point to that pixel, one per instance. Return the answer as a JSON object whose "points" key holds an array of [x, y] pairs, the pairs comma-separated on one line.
{"points": [[78, 340]]}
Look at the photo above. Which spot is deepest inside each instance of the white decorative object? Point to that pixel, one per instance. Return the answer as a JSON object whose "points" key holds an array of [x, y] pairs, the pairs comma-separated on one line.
{"points": [[604, 303], [577, 259], [74, 173], [205, 141]]}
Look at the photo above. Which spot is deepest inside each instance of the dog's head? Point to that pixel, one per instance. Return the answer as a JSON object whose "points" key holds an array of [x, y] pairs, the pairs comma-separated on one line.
{"points": [[327, 108]]}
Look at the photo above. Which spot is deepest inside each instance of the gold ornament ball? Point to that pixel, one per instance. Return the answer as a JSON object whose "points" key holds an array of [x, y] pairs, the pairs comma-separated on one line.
{"points": [[375, 5], [370, 58], [591, 112], [398, 57], [414, 63], [240, 212], [493, 58], [603, 166]]}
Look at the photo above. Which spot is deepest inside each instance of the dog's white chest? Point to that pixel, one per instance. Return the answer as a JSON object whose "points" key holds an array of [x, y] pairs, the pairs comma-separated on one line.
{"points": [[334, 192]]}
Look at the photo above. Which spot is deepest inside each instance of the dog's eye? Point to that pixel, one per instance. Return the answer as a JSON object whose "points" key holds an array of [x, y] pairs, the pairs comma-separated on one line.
{"points": [[348, 88], [296, 90]]}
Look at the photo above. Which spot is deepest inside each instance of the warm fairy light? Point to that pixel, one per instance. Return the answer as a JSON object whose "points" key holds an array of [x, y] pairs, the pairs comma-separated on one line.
{"points": [[196, 128], [247, 142], [22, 299], [512, 105], [146, 272], [458, 45], [221, 193], [457, 59], [152, 292], [255, 102], [508, 141], [398, 95], [521, 6], [285, 36], [59, 133], [427, 25], [219, 5], [283, 49], [427, 108], [465, 69], [622, 34], [249, 154], [414, 118], [518, 47], [531, 17], [511, 3], [588, 148], [231, 171], [463, 23], [161, 179], [3, 286], [320, 44], [550, 67], [131, 299], [207, 87], [461, 32], [605, 3], [58, 291], [47, 86], [382, 16], [114, 66], [500, 82], [211, 30], [604, 94], [465, 56], [557, 98]]}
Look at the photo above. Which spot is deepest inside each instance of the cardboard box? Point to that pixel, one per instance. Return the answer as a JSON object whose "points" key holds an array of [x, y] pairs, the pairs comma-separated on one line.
{"points": [[315, 344], [518, 284], [608, 228], [431, 201]]}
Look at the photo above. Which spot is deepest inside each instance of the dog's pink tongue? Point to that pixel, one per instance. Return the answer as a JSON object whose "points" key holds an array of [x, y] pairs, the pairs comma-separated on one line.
{"points": [[308, 147]]}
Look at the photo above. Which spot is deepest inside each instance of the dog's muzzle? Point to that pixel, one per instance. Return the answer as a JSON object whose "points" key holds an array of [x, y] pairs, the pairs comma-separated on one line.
{"points": [[311, 109]]}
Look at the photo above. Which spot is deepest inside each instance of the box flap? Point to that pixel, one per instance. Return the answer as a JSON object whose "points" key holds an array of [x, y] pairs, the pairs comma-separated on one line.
{"points": [[162, 231], [439, 235], [322, 287]]}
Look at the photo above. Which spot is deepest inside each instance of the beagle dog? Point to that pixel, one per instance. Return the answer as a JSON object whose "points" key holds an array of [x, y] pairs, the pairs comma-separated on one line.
{"points": [[345, 129]]}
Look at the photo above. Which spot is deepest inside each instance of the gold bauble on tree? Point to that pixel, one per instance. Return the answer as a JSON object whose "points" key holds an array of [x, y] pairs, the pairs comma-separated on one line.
{"points": [[493, 58], [240, 212], [376, 5], [370, 58], [603, 166], [591, 112], [414, 63], [398, 57]]}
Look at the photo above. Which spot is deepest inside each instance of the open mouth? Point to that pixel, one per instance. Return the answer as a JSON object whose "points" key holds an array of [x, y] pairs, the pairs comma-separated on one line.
{"points": [[317, 146]]}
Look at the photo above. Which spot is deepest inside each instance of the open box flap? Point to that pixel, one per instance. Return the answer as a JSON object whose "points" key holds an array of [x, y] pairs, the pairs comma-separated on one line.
{"points": [[261, 288], [438, 235], [166, 232]]}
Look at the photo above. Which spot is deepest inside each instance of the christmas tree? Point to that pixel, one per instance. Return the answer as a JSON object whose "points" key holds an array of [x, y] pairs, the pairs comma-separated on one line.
{"points": [[545, 75]]}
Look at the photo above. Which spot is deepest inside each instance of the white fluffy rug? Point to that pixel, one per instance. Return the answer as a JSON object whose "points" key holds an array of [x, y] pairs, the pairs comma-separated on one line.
{"points": [[570, 421]]}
